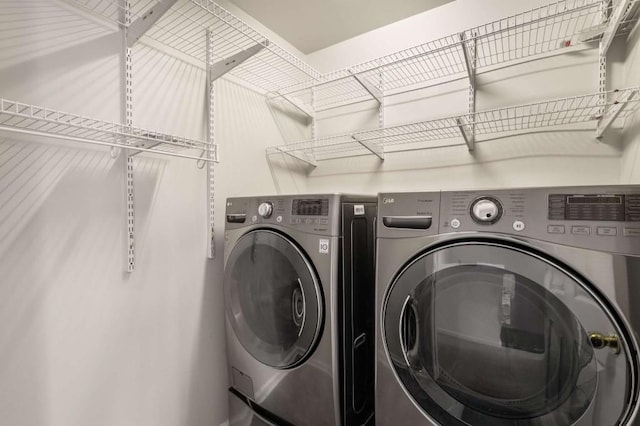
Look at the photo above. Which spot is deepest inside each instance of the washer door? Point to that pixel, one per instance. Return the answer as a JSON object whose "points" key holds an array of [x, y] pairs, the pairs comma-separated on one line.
{"points": [[273, 299], [490, 333]]}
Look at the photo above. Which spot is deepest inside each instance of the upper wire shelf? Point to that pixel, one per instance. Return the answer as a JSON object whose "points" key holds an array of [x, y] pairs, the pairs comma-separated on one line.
{"points": [[34, 120], [538, 31], [451, 130], [184, 29]]}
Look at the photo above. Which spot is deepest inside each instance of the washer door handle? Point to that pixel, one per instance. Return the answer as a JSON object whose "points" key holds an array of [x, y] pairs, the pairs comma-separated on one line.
{"points": [[409, 334], [601, 341]]}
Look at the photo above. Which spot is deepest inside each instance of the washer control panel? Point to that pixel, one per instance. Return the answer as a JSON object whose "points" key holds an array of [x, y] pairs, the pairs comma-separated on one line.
{"points": [[602, 217]]}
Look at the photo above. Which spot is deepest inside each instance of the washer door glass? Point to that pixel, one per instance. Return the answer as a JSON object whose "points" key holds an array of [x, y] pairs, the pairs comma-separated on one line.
{"points": [[485, 333], [273, 299]]}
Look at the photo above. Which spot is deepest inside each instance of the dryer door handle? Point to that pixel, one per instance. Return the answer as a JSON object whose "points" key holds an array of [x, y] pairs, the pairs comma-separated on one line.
{"points": [[407, 222]]}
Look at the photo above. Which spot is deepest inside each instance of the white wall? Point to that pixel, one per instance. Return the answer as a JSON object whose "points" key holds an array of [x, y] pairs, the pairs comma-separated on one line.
{"points": [[82, 342], [630, 171], [569, 157]]}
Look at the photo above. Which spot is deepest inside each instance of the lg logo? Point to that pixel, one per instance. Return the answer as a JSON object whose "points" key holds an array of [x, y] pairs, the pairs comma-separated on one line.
{"points": [[388, 201]]}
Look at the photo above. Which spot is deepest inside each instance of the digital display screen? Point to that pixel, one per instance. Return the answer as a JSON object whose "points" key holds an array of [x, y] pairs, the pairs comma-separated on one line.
{"points": [[600, 199], [310, 207], [595, 207]]}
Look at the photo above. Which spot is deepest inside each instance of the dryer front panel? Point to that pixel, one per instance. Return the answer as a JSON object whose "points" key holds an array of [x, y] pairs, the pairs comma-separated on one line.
{"points": [[273, 298], [485, 332]]}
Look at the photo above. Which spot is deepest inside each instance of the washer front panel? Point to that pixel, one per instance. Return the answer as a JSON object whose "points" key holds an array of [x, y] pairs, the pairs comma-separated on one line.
{"points": [[492, 333]]}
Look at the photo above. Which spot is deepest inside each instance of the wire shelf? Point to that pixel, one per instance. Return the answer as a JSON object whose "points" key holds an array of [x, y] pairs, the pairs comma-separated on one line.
{"points": [[539, 31], [184, 29], [34, 120], [565, 111]]}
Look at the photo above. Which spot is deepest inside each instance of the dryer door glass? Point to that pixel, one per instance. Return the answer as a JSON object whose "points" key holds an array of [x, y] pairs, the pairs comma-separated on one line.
{"points": [[485, 333], [272, 299]]}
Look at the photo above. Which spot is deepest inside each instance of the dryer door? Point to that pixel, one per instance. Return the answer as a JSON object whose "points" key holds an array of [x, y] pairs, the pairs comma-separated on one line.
{"points": [[272, 299], [491, 333]]}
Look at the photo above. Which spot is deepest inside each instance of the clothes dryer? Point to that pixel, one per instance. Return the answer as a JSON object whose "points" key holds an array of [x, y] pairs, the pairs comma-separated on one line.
{"points": [[508, 307], [300, 306]]}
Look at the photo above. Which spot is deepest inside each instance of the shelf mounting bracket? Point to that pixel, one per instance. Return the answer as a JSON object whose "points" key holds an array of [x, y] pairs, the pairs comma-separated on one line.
{"points": [[469, 52], [211, 154], [220, 68], [138, 28], [299, 105], [614, 110], [612, 27], [300, 155], [373, 147], [370, 88], [468, 139]]}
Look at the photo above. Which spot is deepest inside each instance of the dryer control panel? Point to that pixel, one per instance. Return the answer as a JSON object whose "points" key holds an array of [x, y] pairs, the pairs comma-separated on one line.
{"points": [[316, 213]]}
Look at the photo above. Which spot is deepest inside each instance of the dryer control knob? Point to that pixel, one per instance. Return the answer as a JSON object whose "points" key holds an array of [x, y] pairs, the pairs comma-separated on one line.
{"points": [[486, 210], [265, 210]]}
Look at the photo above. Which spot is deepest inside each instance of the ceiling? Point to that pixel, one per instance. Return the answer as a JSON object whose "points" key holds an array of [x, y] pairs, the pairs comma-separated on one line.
{"points": [[311, 25]]}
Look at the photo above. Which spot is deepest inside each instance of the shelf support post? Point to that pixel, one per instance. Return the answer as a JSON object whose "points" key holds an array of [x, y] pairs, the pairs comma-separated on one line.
{"points": [[220, 68], [211, 243], [138, 28], [614, 110], [469, 53], [373, 147], [126, 107], [613, 22], [366, 85]]}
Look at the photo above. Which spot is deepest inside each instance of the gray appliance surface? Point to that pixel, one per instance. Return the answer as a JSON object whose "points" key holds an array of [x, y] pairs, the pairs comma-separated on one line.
{"points": [[508, 307], [300, 385]]}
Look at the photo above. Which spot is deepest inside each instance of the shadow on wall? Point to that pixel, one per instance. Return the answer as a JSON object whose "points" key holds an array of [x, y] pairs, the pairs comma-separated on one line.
{"points": [[61, 246], [53, 57]]}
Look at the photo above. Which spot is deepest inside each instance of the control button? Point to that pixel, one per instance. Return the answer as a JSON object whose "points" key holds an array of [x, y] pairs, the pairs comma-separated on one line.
{"points": [[455, 223], [254, 218], [265, 210], [324, 221], [631, 232], [308, 221], [555, 229], [486, 210], [607, 230], [294, 221], [518, 225], [279, 219], [581, 230]]}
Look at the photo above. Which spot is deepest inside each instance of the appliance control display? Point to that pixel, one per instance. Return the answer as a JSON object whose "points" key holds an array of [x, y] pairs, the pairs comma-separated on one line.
{"points": [[310, 207], [595, 207]]}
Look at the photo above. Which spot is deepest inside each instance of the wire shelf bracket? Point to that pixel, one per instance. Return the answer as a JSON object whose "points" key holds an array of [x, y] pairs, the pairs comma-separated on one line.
{"points": [[373, 147], [370, 88], [141, 25], [298, 155], [614, 110], [296, 103], [614, 23], [220, 68], [468, 137]]}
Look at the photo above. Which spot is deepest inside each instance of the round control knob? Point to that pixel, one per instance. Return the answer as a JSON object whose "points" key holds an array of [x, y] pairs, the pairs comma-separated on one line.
{"points": [[486, 210], [265, 210]]}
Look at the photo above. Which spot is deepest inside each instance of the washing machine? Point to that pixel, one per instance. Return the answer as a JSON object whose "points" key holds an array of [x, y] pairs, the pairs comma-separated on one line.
{"points": [[299, 289], [508, 307]]}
